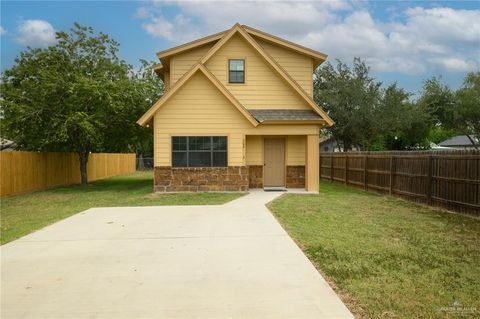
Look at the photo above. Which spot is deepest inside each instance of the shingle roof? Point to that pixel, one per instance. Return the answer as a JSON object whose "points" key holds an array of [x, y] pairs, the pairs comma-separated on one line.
{"points": [[263, 115], [459, 140]]}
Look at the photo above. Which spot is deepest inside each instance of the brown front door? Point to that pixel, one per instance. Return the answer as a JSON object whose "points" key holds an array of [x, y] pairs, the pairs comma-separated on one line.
{"points": [[274, 162]]}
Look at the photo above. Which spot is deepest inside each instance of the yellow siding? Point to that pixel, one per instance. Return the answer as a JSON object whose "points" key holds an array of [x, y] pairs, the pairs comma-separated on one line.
{"points": [[183, 62], [254, 151], [166, 80], [312, 166], [198, 108], [296, 150], [263, 88], [298, 66]]}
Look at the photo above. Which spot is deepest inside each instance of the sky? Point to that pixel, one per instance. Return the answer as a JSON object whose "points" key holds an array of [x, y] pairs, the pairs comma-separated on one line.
{"points": [[402, 41]]}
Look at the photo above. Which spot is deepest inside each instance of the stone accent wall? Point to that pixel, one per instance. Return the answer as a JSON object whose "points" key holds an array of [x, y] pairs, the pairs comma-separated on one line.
{"points": [[255, 176], [201, 179], [295, 176]]}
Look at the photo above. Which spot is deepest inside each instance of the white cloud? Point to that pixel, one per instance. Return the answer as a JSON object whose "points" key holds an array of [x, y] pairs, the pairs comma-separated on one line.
{"points": [[35, 33], [455, 64], [2, 31], [444, 24], [143, 13], [420, 39], [178, 30], [160, 28]]}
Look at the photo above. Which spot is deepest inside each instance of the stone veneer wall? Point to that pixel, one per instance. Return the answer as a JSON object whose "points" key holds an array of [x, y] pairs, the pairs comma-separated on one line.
{"points": [[200, 179], [295, 176], [255, 176]]}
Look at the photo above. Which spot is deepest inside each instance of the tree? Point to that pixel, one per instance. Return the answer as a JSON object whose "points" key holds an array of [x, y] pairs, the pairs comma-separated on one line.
{"points": [[404, 124], [467, 112], [453, 113], [351, 97], [149, 88], [439, 100], [75, 96]]}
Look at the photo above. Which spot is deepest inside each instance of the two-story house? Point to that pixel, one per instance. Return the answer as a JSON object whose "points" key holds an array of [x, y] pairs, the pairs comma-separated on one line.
{"points": [[237, 113]]}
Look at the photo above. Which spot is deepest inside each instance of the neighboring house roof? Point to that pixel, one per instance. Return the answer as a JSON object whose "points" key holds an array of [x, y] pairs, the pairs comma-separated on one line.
{"points": [[263, 115], [197, 68], [223, 37], [434, 146], [7, 145], [459, 141]]}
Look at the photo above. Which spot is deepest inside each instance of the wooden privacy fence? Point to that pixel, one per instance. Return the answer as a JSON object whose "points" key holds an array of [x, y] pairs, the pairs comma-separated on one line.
{"points": [[23, 172], [447, 179]]}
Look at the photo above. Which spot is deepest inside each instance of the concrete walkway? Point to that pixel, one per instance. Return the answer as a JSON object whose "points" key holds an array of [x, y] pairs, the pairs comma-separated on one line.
{"points": [[224, 261]]}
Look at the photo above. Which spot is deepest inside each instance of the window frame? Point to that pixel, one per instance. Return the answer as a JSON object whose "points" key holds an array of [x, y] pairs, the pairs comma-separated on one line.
{"points": [[244, 70], [211, 150]]}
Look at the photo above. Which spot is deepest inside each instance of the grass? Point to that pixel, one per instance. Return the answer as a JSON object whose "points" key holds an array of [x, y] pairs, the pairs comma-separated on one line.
{"points": [[23, 214], [386, 257]]}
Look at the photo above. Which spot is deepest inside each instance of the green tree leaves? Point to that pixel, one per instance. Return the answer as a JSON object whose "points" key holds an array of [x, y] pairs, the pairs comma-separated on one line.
{"points": [[376, 118], [452, 112], [350, 96], [467, 113], [77, 96]]}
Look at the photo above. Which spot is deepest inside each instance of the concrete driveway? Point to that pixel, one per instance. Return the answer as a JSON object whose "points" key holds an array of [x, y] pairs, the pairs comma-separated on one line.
{"points": [[225, 261]]}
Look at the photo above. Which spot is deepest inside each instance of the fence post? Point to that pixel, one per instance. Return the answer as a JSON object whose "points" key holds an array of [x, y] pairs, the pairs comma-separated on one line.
{"points": [[346, 169], [392, 174], [429, 180], [331, 167], [365, 172]]}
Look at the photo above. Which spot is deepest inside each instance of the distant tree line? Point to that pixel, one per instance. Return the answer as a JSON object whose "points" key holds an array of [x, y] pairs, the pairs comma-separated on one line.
{"points": [[372, 117]]}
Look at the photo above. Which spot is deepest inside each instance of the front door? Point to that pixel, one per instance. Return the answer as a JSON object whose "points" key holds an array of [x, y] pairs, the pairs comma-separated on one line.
{"points": [[274, 162]]}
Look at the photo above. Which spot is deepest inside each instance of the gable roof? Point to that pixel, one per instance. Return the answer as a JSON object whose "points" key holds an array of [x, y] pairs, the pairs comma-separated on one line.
{"points": [[237, 28], [191, 45], [318, 56], [221, 39], [196, 68]]}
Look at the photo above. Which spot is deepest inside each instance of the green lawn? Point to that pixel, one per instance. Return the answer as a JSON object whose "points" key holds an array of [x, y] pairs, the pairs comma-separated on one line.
{"points": [[386, 257], [23, 214]]}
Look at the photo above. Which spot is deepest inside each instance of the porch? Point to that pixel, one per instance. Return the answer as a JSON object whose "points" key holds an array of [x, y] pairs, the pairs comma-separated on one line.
{"points": [[282, 162]]}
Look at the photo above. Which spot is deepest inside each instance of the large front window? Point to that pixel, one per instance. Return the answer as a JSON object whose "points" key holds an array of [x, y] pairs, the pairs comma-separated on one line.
{"points": [[199, 151]]}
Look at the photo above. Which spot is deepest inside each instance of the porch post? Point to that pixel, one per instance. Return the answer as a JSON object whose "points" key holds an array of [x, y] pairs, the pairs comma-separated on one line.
{"points": [[312, 163]]}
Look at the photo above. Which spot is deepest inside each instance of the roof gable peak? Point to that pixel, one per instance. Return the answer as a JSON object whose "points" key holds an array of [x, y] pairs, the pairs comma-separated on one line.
{"points": [[196, 68], [238, 29], [319, 57]]}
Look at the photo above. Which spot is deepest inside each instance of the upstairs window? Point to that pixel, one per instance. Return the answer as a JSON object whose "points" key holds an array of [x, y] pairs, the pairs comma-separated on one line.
{"points": [[199, 151], [236, 71]]}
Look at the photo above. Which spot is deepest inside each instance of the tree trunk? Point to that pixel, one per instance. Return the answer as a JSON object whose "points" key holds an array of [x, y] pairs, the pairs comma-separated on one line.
{"points": [[141, 164], [83, 157]]}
